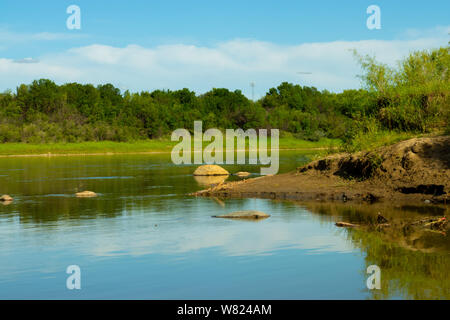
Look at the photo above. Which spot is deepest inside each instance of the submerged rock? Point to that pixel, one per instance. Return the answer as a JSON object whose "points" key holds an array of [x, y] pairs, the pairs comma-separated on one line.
{"points": [[210, 170], [6, 198], [249, 214], [86, 194]]}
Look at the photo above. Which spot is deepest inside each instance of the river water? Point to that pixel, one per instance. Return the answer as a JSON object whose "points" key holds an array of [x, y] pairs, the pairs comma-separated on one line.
{"points": [[143, 237]]}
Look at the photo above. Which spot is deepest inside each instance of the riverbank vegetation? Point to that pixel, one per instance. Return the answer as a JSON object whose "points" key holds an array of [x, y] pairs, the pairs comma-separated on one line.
{"points": [[141, 146], [395, 103]]}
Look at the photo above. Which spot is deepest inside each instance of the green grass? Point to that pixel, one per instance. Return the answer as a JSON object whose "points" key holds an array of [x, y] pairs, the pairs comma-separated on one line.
{"points": [[324, 143], [85, 147], [136, 146], [381, 138]]}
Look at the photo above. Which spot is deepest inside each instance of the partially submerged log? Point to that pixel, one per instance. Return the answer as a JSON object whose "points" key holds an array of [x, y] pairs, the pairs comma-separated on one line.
{"points": [[85, 194], [242, 174], [347, 225], [249, 214], [439, 224]]}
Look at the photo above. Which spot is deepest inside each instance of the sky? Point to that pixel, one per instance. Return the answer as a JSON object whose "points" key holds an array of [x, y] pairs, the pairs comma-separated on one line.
{"points": [[146, 45]]}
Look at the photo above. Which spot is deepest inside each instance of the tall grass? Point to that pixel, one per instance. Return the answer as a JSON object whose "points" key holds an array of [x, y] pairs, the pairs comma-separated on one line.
{"points": [[140, 146]]}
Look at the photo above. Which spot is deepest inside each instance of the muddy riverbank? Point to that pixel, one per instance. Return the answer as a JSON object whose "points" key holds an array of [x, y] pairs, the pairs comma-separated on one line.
{"points": [[411, 171]]}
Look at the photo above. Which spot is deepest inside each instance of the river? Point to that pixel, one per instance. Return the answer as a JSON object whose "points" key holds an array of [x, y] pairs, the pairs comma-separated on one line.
{"points": [[143, 237]]}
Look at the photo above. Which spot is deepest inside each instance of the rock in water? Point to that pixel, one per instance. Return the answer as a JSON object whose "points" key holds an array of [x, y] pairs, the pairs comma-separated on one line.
{"points": [[210, 170], [6, 198], [249, 214], [243, 174], [86, 194], [207, 181]]}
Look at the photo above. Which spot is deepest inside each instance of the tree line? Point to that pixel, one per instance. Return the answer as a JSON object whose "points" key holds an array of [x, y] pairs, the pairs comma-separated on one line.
{"points": [[411, 97]]}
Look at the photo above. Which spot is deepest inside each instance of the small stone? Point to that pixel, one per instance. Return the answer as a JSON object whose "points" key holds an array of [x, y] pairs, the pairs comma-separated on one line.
{"points": [[6, 198], [427, 201]]}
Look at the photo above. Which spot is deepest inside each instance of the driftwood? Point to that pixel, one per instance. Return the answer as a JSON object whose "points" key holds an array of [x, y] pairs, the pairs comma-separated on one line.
{"points": [[347, 225], [439, 224], [85, 194], [249, 214]]}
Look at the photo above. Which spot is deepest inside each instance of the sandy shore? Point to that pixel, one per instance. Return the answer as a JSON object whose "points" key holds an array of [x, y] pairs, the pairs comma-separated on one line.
{"points": [[412, 171]]}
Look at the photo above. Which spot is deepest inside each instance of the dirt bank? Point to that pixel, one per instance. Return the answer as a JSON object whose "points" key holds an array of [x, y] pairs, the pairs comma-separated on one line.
{"points": [[415, 170]]}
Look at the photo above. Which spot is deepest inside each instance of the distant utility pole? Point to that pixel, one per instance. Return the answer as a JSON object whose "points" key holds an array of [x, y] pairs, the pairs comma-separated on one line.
{"points": [[252, 84]]}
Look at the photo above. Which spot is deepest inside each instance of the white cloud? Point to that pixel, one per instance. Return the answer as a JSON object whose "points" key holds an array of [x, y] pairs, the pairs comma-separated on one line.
{"points": [[233, 64], [26, 60], [10, 37], [13, 73], [431, 32]]}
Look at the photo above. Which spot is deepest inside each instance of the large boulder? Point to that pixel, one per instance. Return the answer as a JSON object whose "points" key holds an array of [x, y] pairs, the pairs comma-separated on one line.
{"points": [[248, 214], [86, 194], [210, 170]]}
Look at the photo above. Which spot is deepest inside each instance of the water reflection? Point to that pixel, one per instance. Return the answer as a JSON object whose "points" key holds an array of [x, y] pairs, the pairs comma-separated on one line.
{"points": [[44, 187], [207, 181], [414, 261], [145, 227]]}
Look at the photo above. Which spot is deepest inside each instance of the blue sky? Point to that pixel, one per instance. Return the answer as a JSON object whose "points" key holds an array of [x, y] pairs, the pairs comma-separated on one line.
{"points": [[200, 44]]}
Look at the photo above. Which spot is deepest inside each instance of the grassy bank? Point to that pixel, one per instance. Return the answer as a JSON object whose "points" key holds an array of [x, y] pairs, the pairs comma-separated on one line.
{"points": [[380, 138], [8, 149]]}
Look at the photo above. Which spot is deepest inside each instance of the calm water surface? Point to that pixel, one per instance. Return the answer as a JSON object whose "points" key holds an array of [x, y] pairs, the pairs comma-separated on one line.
{"points": [[145, 238]]}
